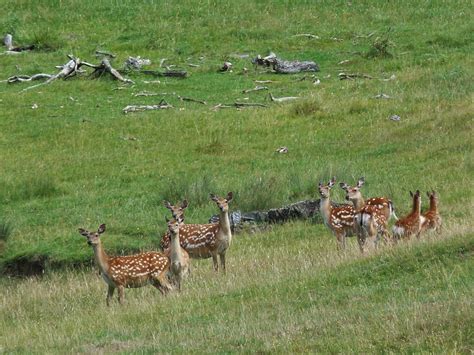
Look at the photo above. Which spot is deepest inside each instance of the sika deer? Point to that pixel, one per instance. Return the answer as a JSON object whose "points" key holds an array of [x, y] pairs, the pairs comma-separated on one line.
{"points": [[411, 224], [432, 217], [371, 215], [207, 240], [128, 271], [177, 211], [340, 220], [179, 258]]}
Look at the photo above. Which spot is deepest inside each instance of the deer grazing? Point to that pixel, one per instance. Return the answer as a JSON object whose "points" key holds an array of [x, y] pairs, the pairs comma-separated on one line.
{"points": [[411, 224], [128, 271], [371, 215], [207, 240], [179, 258], [340, 220], [432, 217]]}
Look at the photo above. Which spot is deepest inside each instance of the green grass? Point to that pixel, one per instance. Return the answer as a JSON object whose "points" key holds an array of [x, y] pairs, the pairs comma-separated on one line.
{"points": [[66, 165]]}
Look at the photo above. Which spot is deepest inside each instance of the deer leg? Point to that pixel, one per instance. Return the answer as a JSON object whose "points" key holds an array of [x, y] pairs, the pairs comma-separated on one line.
{"points": [[341, 241], [110, 293], [222, 256], [121, 292], [214, 262]]}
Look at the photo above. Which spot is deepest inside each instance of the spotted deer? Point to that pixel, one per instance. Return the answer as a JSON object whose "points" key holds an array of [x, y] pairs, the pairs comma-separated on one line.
{"points": [[340, 220], [372, 215], [411, 224], [432, 217], [179, 257], [207, 240], [177, 211], [128, 271]]}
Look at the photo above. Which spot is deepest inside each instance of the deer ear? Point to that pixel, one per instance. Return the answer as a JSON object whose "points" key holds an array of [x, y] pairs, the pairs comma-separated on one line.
{"points": [[83, 232], [332, 182], [167, 204], [166, 219], [101, 229], [184, 204], [230, 195], [411, 194], [320, 184], [343, 185], [428, 193], [213, 197], [360, 182]]}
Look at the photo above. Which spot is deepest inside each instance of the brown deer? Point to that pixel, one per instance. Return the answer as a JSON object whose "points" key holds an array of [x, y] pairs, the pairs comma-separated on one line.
{"points": [[372, 215], [128, 271], [432, 217], [411, 224], [179, 258], [207, 240], [177, 211], [340, 220]]}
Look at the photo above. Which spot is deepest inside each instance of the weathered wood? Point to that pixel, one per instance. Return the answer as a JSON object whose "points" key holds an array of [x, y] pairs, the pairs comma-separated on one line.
{"points": [[22, 78], [140, 108], [348, 76], [136, 62], [106, 67], [168, 73], [285, 66], [8, 42], [182, 98], [283, 99], [257, 88]]}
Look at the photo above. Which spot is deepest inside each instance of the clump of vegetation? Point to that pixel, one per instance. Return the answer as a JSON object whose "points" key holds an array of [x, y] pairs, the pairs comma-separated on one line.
{"points": [[380, 47], [306, 108], [6, 230]]}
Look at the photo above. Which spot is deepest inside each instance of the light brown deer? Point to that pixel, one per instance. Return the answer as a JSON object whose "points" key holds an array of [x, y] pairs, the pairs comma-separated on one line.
{"points": [[179, 257], [207, 240], [177, 211], [411, 224], [432, 217], [372, 215], [128, 271], [340, 220]]}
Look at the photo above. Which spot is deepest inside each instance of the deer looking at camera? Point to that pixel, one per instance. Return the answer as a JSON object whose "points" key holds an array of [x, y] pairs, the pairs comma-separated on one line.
{"points": [[177, 211], [340, 220], [128, 271], [432, 217], [207, 240], [372, 215], [411, 224], [179, 257]]}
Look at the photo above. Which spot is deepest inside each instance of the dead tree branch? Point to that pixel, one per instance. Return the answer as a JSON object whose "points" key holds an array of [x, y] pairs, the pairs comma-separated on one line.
{"points": [[140, 108]]}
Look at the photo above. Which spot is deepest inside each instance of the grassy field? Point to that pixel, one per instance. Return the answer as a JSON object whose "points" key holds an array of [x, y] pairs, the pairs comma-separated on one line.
{"points": [[77, 161]]}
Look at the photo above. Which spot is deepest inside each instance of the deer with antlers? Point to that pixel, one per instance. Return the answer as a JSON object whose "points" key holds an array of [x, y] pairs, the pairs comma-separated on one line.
{"points": [[432, 217], [372, 215], [411, 224], [179, 257], [128, 271], [207, 240], [340, 220]]}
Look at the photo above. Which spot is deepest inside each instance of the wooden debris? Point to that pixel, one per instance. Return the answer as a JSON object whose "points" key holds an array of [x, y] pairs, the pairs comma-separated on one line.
{"points": [[140, 108], [226, 67], [307, 35], [395, 118], [145, 93], [283, 99], [256, 88], [136, 62], [103, 53], [342, 62], [193, 65], [347, 76], [106, 67], [22, 78], [168, 73], [382, 96], [282, 150], [192, 100], [265, 81], [393, 77], [238, 105], [151, 82], [285, 66], [8, 42]]}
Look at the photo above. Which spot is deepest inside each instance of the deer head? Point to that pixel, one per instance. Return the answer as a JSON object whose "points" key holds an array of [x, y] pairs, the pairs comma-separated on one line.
{"points": [[93, 238], [173, 225], [177, 211], [324, 190], [222, 203], [353, 193]]}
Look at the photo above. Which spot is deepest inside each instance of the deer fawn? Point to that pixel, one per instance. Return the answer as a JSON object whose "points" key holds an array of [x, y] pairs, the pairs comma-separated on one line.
{"points": [[128, 271], [372, 215], [179, 258], [177, 211], [432, 217], [411, 224], [340, 220], [207, 240]]}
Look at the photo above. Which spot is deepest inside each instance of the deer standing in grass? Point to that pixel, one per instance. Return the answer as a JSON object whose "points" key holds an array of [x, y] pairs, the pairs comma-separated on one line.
{"points": [[340, 220], [177, 211], [128, 271], [207, 240], [372, 215], [432, 217], [411, 224], [179, 258]]}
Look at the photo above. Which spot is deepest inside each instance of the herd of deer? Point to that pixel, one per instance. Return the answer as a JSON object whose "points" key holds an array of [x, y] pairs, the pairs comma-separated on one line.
{"points": [[366, 219]]}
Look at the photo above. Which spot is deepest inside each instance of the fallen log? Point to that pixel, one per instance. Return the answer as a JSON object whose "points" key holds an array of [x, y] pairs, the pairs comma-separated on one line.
{"points": [[285, 66], [347, 76], [8, 42], [256, 88], [140, 108], [283, 99], [106, 67], [22, 78], [189, 99]]}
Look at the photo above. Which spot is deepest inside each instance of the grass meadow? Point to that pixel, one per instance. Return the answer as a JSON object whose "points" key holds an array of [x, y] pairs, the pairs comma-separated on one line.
{"points": [[70, 158]]}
